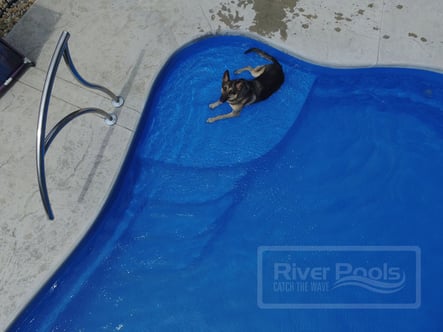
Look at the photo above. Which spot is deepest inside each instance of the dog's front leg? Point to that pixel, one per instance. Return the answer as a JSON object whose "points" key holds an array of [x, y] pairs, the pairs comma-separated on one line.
{"points": [[215, 104], [233, 114]]}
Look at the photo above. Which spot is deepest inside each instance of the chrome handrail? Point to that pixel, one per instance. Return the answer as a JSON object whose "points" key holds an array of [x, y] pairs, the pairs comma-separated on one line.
{"points": [[43, 140]]}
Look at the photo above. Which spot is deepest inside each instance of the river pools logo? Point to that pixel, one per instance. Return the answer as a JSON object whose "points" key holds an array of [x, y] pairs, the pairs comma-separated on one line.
{"points": [[338, 277]]}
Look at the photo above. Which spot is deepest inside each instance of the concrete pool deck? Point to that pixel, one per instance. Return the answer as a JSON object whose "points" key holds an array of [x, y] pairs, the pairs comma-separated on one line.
{"points": [[123, 44]]}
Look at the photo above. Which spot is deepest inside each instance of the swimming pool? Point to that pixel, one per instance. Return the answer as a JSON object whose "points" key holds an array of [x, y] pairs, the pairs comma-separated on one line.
{"points": [[335, 159]]}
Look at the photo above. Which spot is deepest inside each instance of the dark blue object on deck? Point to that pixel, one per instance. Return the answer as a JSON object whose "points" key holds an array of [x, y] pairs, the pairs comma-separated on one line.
{"points": [[12, 63]]}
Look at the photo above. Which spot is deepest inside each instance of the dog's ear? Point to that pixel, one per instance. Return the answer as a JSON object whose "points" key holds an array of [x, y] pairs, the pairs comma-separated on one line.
{"points": [[226, 77], [239, 85]]}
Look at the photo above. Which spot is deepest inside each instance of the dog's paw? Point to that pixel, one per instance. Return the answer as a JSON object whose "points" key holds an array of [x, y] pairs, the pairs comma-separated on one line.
{"points": [[238, 71], [210, 120], [213, 105]]}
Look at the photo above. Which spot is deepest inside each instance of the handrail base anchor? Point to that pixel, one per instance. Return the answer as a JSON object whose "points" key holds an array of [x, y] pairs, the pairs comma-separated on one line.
{"points": [[118, 102], [111, 120]]}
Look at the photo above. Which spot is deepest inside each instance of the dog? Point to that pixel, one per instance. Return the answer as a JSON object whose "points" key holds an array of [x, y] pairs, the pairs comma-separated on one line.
{"points": [[240, 92]]}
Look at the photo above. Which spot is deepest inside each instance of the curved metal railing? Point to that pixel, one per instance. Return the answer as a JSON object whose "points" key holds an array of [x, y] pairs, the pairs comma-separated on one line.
{"points": [[43, 140]]}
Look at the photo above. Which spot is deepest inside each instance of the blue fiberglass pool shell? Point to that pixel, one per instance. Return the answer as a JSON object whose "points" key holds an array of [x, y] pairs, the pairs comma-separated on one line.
{"points": [[343, 158]]}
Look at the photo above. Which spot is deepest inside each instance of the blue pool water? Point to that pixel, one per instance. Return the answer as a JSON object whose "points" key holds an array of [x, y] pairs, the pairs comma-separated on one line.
{"points": [[338, 167]]}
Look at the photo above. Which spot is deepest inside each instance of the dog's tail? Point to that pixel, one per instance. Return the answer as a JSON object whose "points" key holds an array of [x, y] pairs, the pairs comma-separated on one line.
{"points": [[263, 54]]}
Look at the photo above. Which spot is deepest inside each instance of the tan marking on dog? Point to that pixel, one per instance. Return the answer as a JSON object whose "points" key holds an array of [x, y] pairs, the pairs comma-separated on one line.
{"points": [[233, 114], [255, 72], [215, 104]]}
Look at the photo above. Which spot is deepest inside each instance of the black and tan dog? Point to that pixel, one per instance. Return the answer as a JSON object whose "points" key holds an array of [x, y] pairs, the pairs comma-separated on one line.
{"points": [[240, 92]]}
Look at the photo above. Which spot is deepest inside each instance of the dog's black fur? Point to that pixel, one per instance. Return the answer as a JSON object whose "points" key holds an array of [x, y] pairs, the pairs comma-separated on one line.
{"points": [[240, 92]]}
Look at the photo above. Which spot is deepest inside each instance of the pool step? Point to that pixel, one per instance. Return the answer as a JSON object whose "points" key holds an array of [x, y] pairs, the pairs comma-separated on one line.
{"points": [[185, 185]]}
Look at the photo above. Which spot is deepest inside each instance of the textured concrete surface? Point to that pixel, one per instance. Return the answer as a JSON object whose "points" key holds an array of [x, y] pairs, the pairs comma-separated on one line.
{"points": [[123, 45]]}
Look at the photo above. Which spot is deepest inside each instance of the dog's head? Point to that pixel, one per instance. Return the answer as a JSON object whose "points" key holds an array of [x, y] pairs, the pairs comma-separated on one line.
{"points": [[230, 90]]}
